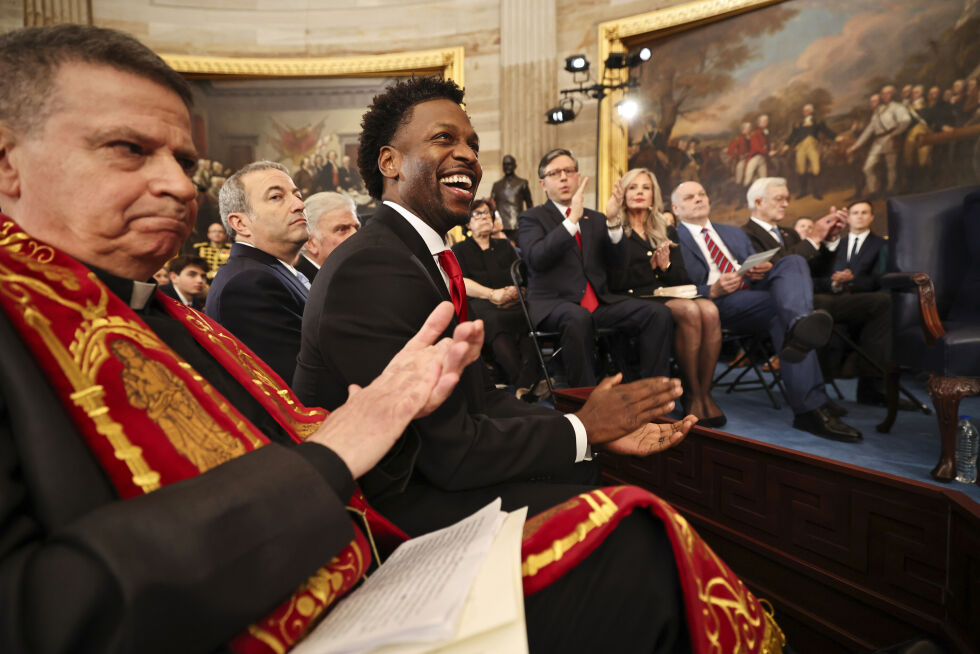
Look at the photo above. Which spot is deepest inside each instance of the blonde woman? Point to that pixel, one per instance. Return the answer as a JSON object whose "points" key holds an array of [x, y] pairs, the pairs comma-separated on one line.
{"points": [[653, 260]]}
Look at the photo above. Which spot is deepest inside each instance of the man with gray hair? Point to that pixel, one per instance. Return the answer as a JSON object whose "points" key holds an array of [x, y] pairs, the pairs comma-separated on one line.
{"points": [[258, 295], [332, 220], [768, 199]]}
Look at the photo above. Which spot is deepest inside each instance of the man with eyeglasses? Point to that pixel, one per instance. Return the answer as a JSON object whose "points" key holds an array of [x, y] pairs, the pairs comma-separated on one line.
{"points": [[568, 249]]}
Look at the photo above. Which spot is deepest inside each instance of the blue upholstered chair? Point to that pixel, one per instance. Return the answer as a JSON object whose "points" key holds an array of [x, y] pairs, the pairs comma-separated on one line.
{"points": [[934, 264]]}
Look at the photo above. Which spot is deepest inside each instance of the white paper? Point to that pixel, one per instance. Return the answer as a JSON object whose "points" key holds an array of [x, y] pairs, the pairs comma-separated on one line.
{"points": [[755, 259], [492, 620], [417, 595]]}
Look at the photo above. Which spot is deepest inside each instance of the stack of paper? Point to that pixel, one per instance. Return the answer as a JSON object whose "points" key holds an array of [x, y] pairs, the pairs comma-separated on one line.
{"points": [[454, 590]]}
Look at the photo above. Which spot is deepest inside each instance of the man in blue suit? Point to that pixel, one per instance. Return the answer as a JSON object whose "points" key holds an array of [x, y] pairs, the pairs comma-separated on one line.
{"points": [[258, 295], [774, 298]]}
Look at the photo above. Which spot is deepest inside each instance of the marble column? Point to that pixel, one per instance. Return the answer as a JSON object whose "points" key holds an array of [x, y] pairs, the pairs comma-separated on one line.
{"points": [[52, 12], [528, 83]]}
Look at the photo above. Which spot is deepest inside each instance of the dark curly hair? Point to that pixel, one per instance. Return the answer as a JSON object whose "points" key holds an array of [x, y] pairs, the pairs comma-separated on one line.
{"points": [[387, 113]]}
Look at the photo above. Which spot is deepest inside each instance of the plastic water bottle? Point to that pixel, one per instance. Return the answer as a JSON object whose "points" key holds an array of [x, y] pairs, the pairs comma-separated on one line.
{"points": [[967, 445]]}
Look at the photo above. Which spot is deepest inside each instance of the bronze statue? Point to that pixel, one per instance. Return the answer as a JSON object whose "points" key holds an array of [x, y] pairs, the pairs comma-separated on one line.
{"points": [[512, 196]]}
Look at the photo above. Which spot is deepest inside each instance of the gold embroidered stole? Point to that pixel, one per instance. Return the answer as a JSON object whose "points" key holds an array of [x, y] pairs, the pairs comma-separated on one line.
{"points": [[147, 416]]}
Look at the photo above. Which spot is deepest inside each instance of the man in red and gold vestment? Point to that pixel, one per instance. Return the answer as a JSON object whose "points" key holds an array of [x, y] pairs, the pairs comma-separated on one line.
{"points": [[161, 489]]}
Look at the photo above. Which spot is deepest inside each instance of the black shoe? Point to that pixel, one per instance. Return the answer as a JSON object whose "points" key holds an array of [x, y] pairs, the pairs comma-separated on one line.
{"points": [[807, 333], [713, 422], [824, 425], [834, 409]]}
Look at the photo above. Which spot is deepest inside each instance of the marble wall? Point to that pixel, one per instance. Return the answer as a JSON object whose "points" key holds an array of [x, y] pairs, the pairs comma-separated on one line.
{"points": [[514, 51]]}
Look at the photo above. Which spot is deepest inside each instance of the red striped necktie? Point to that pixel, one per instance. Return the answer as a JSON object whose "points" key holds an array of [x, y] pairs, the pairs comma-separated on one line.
{"points": [[589, 300], [457, 289], [724, 265]]}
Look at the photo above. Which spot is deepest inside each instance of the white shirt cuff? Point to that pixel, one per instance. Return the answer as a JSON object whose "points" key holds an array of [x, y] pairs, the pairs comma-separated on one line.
{"points": [[583, 452], [832, 245], [616, 235], [572, 228], [815, 245]]}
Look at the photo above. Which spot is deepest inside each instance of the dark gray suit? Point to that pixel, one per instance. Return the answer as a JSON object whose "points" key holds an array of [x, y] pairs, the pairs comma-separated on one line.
{"points": [[258, 300]]}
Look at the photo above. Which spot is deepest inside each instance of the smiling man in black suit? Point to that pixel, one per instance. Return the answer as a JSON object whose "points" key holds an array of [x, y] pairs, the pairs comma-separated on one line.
{"points": [[418, 154], [258, 295]]}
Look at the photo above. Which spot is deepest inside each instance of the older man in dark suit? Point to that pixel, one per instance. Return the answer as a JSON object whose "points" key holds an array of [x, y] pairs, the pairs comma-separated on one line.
{"points": [[768, 199], [568, 249], [258, 295]]}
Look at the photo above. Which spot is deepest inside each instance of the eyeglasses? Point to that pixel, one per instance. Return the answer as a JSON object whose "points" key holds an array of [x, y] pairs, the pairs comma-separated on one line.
{"points": [[558, 172], [480, 213]]}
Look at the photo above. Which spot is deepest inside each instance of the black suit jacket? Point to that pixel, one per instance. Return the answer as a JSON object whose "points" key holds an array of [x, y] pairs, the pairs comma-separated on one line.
{"points": [[868, 265], [170, 291], [557, 269], [182, 569], [258, 300], [372, 294], [763, 240], [306, 267]]}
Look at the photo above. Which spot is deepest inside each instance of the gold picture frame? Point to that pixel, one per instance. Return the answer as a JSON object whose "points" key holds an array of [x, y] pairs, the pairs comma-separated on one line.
{"points": [[618, 36], [446, 61]]}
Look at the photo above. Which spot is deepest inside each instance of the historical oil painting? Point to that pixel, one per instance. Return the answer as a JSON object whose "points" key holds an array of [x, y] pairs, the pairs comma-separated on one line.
{"points": [[309, 125], [844, 98]]}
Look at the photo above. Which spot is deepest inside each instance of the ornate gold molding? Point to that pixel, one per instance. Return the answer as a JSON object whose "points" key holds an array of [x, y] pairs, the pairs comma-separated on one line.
{"points": [[446, 61], [617, 36]]}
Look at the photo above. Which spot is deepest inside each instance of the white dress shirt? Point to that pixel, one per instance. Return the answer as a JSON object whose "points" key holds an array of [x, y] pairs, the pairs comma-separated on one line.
{"points": [[852, 248], [615, 235], [436, 244], [714, 272]]}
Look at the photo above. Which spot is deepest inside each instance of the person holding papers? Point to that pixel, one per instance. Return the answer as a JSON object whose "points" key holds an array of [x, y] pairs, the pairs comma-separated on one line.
{"points": [[653, 261], [769, 298]]}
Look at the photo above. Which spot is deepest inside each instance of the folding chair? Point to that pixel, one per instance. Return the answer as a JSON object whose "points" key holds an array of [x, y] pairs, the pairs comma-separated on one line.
{"points": [[756, 351], [604, 335]]}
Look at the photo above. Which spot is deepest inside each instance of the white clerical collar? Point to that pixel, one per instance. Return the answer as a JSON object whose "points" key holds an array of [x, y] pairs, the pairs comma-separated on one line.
{"points": [[142, 292], [433, 241]]}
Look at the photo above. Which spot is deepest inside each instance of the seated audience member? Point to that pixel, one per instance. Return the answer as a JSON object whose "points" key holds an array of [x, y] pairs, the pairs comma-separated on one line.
{"points": [[187, 281], [848, 288], [418, 155], [258, 295], [162, 513], [768, 198], [772, 298], [492, 297], [215, 250], [803, 226], [653, 260], [162, 277], [332, 219], [568, 249], [167, 502]]}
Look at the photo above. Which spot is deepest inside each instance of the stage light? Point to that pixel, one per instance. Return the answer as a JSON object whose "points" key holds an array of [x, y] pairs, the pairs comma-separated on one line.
{"points": [[558, 115], [627, 108], [616, 60], [644, 54], [576, 63]]}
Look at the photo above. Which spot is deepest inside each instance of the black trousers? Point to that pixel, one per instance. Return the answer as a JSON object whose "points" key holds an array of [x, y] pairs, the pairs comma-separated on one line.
{"points": [[650, 324], [867, 319], [624, 597]]}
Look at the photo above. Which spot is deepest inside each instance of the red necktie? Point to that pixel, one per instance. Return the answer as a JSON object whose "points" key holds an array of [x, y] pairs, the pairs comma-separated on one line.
{"points": [[589, 300], [724, 265], [457, 289]]}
